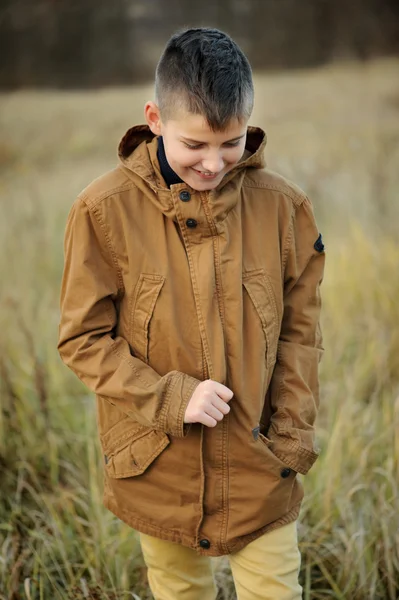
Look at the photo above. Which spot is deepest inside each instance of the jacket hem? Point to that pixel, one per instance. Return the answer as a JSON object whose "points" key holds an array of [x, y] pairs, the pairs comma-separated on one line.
{"points": [[171, 535], [291, 516]]}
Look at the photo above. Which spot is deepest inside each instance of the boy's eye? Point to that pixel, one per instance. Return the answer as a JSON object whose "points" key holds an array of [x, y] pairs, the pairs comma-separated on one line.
{"points": [[196, 146], [191, 146]]}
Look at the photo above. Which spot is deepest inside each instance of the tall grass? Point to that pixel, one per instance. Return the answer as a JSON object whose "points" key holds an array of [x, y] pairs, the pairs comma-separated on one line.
{"points": [[56, 539]]}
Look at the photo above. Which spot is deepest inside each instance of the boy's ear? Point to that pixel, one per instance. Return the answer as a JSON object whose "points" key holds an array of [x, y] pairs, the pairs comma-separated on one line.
{"points": [[153, 117]]}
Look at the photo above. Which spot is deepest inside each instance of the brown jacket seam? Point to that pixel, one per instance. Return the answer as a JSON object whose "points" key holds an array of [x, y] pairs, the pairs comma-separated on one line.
{"points": [[301, 453], [216, 256], [147, 178], [96, 213], [180, 415], [92, 202], [291, 445], [130, 363], [288, 243], [282, 388], [200, 316], [219, 293], [163, 413], [297, 199], [300, 449]]}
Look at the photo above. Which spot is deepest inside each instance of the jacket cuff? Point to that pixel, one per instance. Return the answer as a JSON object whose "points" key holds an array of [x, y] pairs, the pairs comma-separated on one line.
{"points": [[294, 456], [180, 391]]}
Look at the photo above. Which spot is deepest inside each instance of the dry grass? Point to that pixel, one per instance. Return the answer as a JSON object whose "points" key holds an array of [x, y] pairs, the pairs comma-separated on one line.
{"points": [[334, 131]]}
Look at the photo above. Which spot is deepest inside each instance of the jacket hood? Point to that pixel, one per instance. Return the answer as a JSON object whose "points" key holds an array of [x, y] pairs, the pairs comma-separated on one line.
{"points": [[138, 152]]}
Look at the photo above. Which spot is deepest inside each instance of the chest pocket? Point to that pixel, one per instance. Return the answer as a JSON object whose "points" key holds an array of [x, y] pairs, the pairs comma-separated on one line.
{"points": [[143, 303], [260, 291]]}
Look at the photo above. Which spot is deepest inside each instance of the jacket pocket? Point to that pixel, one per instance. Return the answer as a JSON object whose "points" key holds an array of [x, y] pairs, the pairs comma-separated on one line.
{"points": [[260, 291], [277, 466], [130, 453], [143, 302]]}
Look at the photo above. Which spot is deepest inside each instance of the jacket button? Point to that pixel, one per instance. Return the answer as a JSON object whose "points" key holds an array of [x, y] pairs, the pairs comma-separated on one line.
{"points": [[191, 223], [285, 473], [185, 196], [205, 544]]}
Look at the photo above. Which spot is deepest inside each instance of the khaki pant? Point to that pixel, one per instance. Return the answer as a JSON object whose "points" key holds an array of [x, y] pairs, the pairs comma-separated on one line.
{"points": [[266, 569]]}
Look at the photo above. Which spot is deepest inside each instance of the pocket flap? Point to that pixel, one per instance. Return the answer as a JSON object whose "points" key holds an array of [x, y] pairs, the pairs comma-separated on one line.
{"points": [[144, 299], [260, 291], [135, 455]]}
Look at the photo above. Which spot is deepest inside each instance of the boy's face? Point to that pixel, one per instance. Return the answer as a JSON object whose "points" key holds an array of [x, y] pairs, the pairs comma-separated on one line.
{"points": [[199, 156]]}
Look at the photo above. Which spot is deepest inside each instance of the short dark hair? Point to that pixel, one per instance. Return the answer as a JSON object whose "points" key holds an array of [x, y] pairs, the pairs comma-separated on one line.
{"points": [[206, 72]]}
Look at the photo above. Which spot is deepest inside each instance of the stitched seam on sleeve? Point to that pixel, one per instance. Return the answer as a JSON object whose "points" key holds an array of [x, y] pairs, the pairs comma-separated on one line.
{"points": [[302, 453], [297, 199], [99, 218], [281, 395], [93, 202], [163, 413], [183, 405], [129, 362], [288, 243]]}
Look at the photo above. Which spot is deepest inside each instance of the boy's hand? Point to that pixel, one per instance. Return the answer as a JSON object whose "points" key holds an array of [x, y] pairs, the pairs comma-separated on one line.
{"points": [[208, 404]]}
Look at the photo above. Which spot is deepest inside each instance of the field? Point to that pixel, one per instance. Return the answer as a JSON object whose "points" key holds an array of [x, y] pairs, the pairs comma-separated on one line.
{"points": [[335, 132]]}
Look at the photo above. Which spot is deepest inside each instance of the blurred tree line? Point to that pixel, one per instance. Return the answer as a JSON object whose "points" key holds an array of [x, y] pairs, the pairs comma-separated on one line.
{"points": [[66, 43]]}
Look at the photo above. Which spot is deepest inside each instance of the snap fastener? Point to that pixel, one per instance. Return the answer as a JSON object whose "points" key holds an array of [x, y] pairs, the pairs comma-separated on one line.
{"points": [[205, 544], [285, 473], [191, 223], [185, 196]]}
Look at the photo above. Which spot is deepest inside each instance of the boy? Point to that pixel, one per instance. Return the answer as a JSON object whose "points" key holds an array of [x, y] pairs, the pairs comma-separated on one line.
{"points": [[190, 306]]}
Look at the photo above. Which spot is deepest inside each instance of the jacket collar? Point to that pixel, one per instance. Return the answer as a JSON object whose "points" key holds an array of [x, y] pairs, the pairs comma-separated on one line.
{"points": [[138, 154]]}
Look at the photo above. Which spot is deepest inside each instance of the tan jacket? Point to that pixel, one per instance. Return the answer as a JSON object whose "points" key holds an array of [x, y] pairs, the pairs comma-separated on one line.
{"points": [[164, 289]]}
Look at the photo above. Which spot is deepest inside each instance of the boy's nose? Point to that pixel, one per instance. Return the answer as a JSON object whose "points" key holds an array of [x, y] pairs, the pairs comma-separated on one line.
{"points": [[213, 164]]}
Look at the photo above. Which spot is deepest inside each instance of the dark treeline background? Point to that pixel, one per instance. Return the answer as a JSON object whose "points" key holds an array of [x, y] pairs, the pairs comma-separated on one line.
{"points": [[88, 43]]}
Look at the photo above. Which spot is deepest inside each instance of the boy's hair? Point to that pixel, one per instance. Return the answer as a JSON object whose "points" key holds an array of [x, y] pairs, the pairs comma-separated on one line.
{"points": [[203, 70]]}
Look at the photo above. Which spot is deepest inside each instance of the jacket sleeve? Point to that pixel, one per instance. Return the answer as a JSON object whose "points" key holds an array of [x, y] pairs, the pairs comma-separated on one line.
{"points": [[88, 343], [294, 388]]}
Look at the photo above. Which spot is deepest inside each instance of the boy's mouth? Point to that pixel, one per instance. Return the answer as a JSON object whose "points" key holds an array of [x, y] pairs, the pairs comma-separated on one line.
{"points": [[206, 174]]}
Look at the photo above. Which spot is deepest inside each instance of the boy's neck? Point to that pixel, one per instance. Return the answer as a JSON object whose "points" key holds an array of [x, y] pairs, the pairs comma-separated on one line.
{"points": [[167, 172]]}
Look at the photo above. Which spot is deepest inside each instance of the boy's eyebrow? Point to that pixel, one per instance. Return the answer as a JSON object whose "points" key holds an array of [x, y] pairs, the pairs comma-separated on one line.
{"points": [[226, 142]]}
